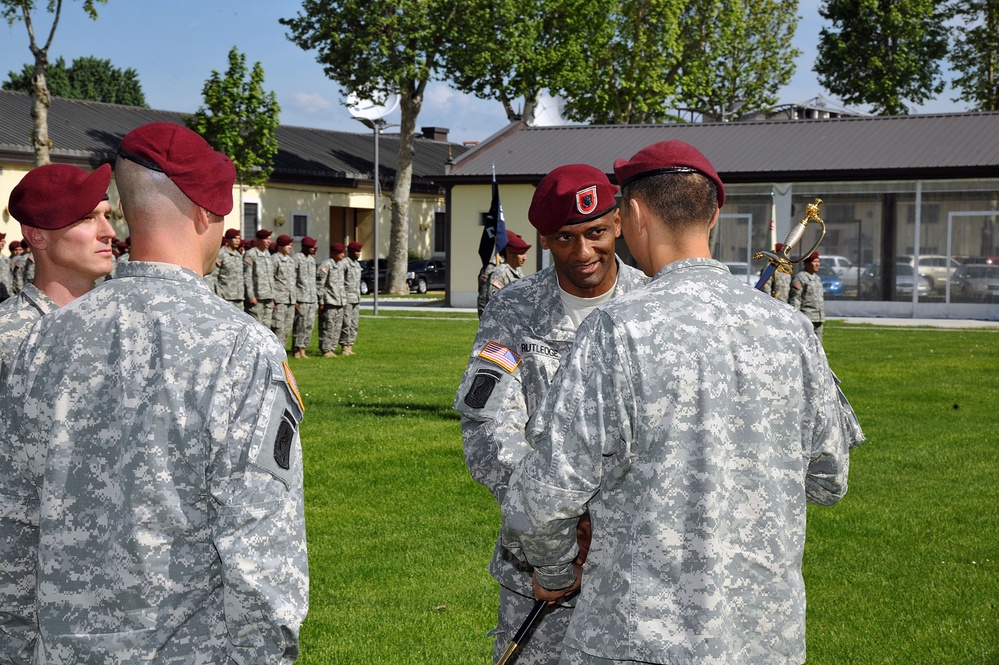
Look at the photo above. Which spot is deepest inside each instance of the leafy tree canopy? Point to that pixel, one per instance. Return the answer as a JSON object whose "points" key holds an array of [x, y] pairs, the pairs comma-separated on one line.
{"points": [[87, 78], [975, 52]]}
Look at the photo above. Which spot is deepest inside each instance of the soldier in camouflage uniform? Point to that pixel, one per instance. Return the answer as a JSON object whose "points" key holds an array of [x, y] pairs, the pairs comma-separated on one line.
{"points": [[305, 296], [330, 281], [779, 283], [229, 284], [493, 277], [284, 289], [258, 280], [352, 290], [6, 279], [523, 333], [161, 502], [15, 253], [64, 212], [693, 417], [22, 267], [807, 295]]}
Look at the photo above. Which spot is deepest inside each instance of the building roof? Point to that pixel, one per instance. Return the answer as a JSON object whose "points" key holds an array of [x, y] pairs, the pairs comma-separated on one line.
{"points": [[87, 134], [883, 147]]}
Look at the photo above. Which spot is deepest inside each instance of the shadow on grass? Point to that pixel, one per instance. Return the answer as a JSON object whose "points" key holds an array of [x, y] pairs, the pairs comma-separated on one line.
{"points": [[404, 410]]}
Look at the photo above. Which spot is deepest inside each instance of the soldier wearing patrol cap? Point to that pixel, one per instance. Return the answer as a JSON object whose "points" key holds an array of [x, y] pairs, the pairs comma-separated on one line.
{"points": [[155, 515], [63, 211], [352, 290], [524, 332], [494, 277], [284, 289], [258, 279], [305, 296], [330, 285], [229, 284], [691, 419]]}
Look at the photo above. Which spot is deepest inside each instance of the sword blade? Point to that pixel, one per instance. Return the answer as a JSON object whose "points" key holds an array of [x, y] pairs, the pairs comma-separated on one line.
{"points": [[767, 272], [525, 629]]}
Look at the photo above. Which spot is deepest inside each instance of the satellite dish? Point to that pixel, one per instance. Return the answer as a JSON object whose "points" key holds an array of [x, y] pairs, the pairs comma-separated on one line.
{"points": [[548, 111], [369, 109]]}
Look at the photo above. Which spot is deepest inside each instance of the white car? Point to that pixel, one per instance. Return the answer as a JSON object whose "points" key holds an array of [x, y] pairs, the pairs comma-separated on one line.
{"points": [[844, 268]]}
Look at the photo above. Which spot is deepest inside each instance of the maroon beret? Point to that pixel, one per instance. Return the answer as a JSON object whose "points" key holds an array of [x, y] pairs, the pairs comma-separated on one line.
{"points": [[232, 233], [515, 244], [15, 244], [812, 256], [205, 176], [571, 194], [2, 236], [337, 248], [283, 240], [308, 241], [355, 246], [778, 247], [272, 248], [263, 234], [56, 195], [667, 157], [122, 245]]}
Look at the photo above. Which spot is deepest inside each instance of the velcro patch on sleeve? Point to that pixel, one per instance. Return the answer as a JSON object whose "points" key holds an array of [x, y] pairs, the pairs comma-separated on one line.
{"points": [[284, 440], [482, 387], [500, 355], [293, 384]]}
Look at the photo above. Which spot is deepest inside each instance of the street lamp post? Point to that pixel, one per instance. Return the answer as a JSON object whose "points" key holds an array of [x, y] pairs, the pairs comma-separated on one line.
{"points": [[378, 125]]}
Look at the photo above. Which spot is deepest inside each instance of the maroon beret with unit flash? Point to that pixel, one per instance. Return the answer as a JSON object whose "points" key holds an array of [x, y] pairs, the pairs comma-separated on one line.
{"points": [[515, 244], [56, 195], [571, 194], [355, 246], [205, 176], [283, 240], [232, 233], [308, 241], [263, 234], [337, 248], [667, 157]]}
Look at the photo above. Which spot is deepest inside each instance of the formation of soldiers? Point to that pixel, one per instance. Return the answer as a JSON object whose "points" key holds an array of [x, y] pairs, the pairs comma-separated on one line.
{"points": [[286, 291], [16, 270]]}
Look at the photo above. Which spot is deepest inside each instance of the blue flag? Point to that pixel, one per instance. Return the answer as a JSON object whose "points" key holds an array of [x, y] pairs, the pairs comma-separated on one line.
{"points": [[493, 239]]}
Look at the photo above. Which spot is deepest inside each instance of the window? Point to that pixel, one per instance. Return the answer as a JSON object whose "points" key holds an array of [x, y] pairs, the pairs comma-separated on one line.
{"points": [[299, 224], [440, 232], [251, 218]]}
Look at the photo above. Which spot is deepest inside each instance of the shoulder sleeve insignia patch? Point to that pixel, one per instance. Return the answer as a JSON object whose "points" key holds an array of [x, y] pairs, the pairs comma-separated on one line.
{"points": [[482, 387], [283, 441], [292, 384], [500, 355]]}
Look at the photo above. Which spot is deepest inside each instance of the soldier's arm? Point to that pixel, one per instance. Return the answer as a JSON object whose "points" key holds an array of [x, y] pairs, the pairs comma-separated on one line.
{"points": [[258, 523], [832, 430]]}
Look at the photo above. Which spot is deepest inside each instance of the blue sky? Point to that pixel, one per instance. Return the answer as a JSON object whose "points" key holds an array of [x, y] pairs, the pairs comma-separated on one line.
{"points": [[175, 45]]}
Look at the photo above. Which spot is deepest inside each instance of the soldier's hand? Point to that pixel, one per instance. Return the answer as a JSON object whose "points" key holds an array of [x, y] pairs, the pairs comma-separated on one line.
{"points": [[553, 595], [584, 533]]}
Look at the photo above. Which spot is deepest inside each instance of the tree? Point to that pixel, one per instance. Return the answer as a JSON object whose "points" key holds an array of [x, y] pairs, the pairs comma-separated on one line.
{"points": [[240, 119], [87, 78], [514, 49], [882, 52], [375, 47], [20, 10], [742, 57], [975, 52]]}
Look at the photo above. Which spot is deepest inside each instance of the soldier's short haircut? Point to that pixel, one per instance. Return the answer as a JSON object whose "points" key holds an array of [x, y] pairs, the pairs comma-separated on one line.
{"points": [[679, 200], [143, 191]]}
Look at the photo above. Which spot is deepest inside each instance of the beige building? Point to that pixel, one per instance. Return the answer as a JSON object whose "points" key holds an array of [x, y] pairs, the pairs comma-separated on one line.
{"points": [[322, 184]]}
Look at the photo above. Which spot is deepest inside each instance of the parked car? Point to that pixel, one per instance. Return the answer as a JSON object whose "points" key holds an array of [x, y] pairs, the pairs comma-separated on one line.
{"points": [[427, 275], [844, 268], [368, 276], [832, 285], [741, 269], [976, 281], [934, 268], [870, 283]]}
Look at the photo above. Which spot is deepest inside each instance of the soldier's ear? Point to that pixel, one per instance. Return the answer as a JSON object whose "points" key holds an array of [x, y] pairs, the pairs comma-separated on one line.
{"points": [[37, 238]]}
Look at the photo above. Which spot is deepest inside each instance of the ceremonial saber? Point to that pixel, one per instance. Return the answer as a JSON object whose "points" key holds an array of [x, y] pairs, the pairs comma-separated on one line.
{"points": [[525, 629], [781, 260]]}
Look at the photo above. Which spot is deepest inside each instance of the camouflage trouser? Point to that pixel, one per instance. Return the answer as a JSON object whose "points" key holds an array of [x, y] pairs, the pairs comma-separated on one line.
{"points": [[572, 656], [305, 320], [263, 311], [330, 323], [544, 645], [284, 316], [351, 313]]}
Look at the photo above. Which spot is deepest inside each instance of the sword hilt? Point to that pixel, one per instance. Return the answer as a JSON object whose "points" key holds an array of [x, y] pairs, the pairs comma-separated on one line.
{"points": [[782, 260]]}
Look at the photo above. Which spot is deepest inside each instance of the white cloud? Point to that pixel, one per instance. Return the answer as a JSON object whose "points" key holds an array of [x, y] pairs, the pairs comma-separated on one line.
{"points": [[311, 103]]}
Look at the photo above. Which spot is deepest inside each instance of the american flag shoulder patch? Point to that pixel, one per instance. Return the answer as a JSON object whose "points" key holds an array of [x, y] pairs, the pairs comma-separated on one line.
{"points": [[500, 355]]}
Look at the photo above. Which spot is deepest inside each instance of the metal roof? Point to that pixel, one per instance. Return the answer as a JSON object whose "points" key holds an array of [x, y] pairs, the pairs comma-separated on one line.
{"points": [[955, 145], [87, 133]]}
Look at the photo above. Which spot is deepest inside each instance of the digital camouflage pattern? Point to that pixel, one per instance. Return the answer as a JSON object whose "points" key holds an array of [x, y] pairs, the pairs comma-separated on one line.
{"points": [[306, 298], [806, 294], [483, 287], [17, 315], [258, 282], [330, 283], [693, 418], [6, 278], [500, 276], [778, 286], [284, 296], [352, 308], [529, 319], [151, 465], [229, 283]]}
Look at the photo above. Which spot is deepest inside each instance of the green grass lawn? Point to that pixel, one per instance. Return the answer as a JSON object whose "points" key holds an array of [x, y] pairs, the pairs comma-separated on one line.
{"points": [[903, 570]]}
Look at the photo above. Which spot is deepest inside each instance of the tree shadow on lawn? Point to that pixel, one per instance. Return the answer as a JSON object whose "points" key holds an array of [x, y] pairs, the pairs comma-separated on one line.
{"points": [[404, 410]]}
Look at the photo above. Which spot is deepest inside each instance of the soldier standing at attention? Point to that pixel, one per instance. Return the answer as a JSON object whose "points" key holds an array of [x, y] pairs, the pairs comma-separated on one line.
{"points": [[284, 289], [229, 270], [305, 296], [15, 260], [153, 487], [524, 332], [352, 306], [23, 266], [779, 284], [492, 277], [6, 279], [64, 212], [692, 418], [330, 282], [258, 279], [807, 295]]}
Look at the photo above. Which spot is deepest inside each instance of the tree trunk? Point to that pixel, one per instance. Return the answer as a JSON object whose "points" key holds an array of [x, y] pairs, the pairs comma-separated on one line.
{"points": [[40, 102], [398, 258]]}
